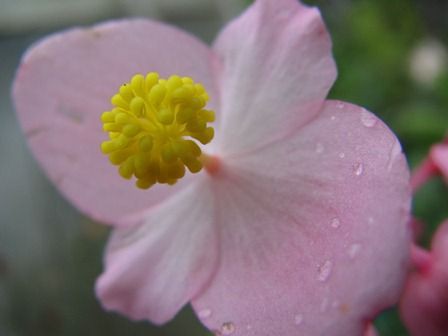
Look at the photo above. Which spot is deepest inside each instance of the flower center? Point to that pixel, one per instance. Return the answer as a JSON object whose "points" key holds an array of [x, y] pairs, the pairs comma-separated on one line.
{"points": [[154, 127]]}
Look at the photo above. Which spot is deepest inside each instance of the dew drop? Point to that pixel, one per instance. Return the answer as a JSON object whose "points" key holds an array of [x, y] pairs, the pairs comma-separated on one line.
{"points": [[319, 148], [298, 319], [227, 328], [394, 152], [358, 168], [354, 250], [342, 155], [333, 118], [204, 313], [324, 305], [370, 220], [335, 223], [340, 105], [284, 14], [324, 271], [368, 119]]}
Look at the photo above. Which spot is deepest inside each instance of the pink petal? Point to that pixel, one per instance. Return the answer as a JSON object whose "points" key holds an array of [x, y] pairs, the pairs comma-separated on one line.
{"points": [[425, 170], [424, 305], [314, 230], [277, 69], [64, 84], [421, 259], [153, 269], [440, 243], [439, 155], [371, 331]]}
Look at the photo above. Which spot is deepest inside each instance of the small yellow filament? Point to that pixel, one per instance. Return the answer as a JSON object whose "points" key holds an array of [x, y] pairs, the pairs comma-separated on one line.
{"points": [[154, 126]]}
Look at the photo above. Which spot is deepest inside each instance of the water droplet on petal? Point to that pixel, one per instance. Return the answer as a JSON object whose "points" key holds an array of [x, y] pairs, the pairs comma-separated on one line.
{"points": [[358, 168], [204, 313], [298, 319], [340, 105], [324, 271], [370, 220], [354, 250], [319, 148], [368, 119], [284, 14], [248, 327], [324, 305], [333, 118], [394, 152], [342, 155], [227, 328], [335, 223]]}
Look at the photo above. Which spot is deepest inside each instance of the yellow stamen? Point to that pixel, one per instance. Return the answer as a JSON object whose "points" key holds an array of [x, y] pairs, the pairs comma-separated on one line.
{"points": [[154, 127]]}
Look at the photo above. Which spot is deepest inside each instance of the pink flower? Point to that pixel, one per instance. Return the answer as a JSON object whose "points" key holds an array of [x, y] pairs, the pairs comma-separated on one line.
{"points": [[424, 305], [301, 225], [439, 155], [436, 163]]}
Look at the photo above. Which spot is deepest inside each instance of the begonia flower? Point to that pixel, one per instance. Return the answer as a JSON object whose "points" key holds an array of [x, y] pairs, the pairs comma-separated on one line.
{"points": [[439, 155], [436, 163], [424, 305], [371, 331], [299, 221]]}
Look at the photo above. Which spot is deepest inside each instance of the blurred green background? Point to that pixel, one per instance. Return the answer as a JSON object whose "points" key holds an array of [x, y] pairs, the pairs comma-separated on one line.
{"points": [[392, 58]]}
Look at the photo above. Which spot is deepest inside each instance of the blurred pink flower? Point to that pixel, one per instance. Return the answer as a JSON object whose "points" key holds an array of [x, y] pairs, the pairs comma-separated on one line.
{"points": [[371, 331], [436, 163], [424, 305], [439, 155], [303, 226]]}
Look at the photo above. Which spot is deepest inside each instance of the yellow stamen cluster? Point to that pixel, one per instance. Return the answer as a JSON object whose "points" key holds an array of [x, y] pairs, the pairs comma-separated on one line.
{"points": [[153, 127]]}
